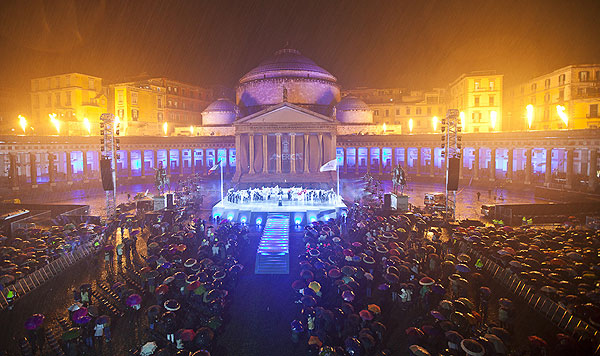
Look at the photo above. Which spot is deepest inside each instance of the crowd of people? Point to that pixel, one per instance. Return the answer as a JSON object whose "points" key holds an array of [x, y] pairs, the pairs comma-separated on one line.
{"points": [[292, 195], [392, 286]]}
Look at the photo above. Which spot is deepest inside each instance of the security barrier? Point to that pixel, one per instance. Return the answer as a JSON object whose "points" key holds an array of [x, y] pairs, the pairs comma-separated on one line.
{"points": [[551, 310]]}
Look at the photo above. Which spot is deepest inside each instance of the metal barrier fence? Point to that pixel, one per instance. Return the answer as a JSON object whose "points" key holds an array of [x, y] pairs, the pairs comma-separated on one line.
{"points": [[33, 280], [551, 310]]}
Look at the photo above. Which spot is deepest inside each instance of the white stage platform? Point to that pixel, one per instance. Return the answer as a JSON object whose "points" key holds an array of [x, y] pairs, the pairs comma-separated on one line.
{"points": [[300, 212]]}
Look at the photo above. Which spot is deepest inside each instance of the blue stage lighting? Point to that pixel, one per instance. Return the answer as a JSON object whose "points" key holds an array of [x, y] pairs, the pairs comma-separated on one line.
{"points": [[243, 219], [230, 217], [298, 220], [258, 221]]}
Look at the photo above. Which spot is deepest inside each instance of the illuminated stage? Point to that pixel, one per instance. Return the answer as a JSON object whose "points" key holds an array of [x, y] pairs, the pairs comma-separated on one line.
{"points": [[300, 212]]}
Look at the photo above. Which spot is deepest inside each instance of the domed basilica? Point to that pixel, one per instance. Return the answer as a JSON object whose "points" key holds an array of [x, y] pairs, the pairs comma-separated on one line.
{"points": [[286, 117]]}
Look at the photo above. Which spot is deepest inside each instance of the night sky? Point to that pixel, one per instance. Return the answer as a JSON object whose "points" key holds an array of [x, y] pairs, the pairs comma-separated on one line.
{"points": [[414, 44]]}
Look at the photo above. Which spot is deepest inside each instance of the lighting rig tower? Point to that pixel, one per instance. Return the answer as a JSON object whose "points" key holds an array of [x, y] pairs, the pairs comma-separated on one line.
{"points": [[451, 151], [109, 145]]}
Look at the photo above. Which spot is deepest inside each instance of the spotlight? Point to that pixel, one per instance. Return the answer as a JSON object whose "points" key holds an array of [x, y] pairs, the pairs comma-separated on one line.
{"points": [[258, 221]]}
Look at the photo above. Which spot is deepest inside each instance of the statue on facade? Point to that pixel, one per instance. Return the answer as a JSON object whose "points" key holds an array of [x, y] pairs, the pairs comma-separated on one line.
{"points": [[285, 95], [398, 179], [161, 180]]}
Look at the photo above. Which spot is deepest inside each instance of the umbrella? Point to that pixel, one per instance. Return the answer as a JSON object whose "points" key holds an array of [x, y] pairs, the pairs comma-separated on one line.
{"points": [[148, 348], [348, 295], [204, 336], [417, 350], [507, 303], [169, 280], [426, 281], [34, 321], [309, 301], [462, 268], [436, 314], [200, 290], [193, 286], [454, 336], [334, 273], [187, 335], [83, 320], [438, 289], [315, 286], [391, 278], [298, 284], [215, 322], [172, 305], [537, 341], [72, 333], [161, 289], [79, 313], [365, 315], [472, 347], [314, 340], [7, 279], [374, 308], [75, 306], [134, 299], [349, 270]]}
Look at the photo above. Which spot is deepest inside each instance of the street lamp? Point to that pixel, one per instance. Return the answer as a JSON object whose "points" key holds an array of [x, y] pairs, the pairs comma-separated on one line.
{"points": [[410, 125], [493, 117], [87, 125], [55, 122], [462, 120], [384, 127], [165, 128], [530, 114], [434, 122], [192, 130], [561, 113], [23, 123]]}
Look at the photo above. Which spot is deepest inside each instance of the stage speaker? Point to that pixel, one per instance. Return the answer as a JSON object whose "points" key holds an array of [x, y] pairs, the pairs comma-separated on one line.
{"points": [[453, 173], [170, 204], [390, 201], [106, 174]]}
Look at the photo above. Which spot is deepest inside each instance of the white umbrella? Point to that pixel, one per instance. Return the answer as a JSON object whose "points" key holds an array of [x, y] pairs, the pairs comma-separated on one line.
{"points": [[148, 349]]}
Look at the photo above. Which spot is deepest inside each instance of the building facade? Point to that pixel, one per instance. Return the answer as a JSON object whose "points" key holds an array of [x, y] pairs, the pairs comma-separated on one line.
{"points": [[140, 106], [572, 92], [478, 97], [73, 97]]}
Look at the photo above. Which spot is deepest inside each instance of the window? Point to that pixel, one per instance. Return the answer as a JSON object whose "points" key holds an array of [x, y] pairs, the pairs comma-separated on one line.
{"points": [[91, 83], [397, 112], [475, 129], [547, 83], [492, 100], [476, 101], [169, 103], [134, 98], [121, 113], [175, 102], [57, 99], [597, 75], [534, 87], [159, 104], [36, 84], [492, 84], [175, 90], [532, 100], [57, 84], [419, 123], [49, 100], [68, 80], [429, 110], [407, 110], [68, 102], [561, 79], [160, 117], [387, 112], [477, 84], [547, 97], [593, 110], [418, 111], [376, 112], [134, 114], [584, 76], [561, 95], [183, 107], [121, 97], [36, 100]]}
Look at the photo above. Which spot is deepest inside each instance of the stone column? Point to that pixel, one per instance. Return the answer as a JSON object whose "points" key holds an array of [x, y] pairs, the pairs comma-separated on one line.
{"points": [[393, 164], [33, 168], [432, 163], [251, 153], [69, 167], [86, 170], [405, 162], [419, 157], [528, 165], [168, 167], [509, 165], [593, 168], [13, 171], [292, 153], [320, 150], [238, 148], [278, 152], [345, 160], [475, 164], [334, 146], [368, 159], [265, 158], [52, 168], [306, 166], [128, 153], [380, 160], [492, 164], [155, 159], [548, 174], [192, 158], [461, 165], [570, 175]]}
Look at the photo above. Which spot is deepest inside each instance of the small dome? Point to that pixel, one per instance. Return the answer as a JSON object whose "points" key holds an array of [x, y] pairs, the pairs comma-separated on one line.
{"points": [[220, 112], [351, 102], [352, 110]]}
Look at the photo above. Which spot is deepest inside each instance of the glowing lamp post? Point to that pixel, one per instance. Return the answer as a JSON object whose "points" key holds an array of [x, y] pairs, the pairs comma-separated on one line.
{"points": [[55, 122], [23, 123], [434, 123], [87, 125], [192, 130], [493, 118], [561, 113], [410, 125], [462, 120], [530, 114], [165, 128], [384, 127]]}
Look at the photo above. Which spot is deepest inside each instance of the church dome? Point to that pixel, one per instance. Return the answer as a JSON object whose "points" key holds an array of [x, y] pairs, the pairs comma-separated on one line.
{"points": [[220, 112], [288, 71], [352, 110], [287, 62]]}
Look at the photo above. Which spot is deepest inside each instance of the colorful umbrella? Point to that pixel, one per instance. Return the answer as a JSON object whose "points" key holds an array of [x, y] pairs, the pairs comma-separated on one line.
{"points": [[365, 315], [426, 281], [134, 299]]}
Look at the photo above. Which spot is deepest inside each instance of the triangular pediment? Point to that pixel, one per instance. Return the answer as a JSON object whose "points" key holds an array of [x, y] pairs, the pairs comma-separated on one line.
{"points": [[285, 113]]}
